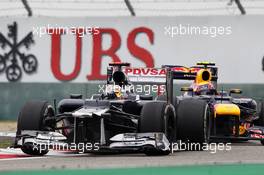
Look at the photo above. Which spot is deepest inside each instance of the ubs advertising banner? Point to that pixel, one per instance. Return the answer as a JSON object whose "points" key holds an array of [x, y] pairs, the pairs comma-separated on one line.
{"points": [[43, 49]]}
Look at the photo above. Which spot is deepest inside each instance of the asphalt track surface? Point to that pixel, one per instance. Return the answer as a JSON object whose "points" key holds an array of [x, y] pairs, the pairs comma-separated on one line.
{"points": [[241, 153]]}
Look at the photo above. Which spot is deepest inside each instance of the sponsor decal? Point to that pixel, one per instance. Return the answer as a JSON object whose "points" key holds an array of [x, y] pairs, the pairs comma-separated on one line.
{"points": [[98, 52], [156, 71], [78, 50], [145, 71], [258, 136]]}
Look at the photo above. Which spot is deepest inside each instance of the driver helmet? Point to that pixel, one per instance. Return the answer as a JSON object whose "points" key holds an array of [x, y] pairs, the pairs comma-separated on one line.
{"points": [[204, 88]]}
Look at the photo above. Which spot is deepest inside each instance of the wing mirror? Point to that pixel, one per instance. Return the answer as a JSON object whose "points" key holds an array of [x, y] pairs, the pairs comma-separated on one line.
{"points": [[186, 89], [235, 91], [76, 96]]}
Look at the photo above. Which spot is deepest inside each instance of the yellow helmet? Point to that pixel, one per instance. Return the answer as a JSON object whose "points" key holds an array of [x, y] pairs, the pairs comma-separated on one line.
{"points": [[118, 92], [203, 76]]}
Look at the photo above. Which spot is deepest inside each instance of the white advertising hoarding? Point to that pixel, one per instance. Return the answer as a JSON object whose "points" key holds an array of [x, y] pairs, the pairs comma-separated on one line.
{"points": [[43, 49]]}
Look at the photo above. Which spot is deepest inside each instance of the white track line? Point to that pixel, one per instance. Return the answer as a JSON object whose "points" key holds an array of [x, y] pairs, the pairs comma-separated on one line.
{"points": [[22, 158], [51, 154], [7, 134]]}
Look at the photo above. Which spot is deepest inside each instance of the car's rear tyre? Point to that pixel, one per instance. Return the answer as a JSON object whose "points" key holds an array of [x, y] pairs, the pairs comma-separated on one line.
{"points": [[260, 120], [32, 117], [262, 142], [193, 123], [164, 98], [157, 116]]}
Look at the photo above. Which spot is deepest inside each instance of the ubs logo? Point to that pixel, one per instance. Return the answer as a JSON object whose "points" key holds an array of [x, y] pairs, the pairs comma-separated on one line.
{"points": [[13, 61]]}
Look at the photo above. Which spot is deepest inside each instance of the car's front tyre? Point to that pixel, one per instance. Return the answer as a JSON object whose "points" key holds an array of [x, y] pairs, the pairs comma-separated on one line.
{"points": [[32, 117]]}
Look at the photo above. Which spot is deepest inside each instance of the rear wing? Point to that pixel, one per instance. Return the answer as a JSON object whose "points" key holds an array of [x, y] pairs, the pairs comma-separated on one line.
{"points": [[146, 75], [123, 71], [156, 75], [185, 73]]}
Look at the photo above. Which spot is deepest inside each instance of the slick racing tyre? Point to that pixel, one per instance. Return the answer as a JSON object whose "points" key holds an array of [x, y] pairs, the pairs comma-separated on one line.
{"points": [[260, 120], [32, 117], [157, 116], [164, 98], [193, 125]]}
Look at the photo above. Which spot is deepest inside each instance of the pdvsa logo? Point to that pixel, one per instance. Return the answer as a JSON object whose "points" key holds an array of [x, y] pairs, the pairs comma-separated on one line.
{"points": [[145, 71]]}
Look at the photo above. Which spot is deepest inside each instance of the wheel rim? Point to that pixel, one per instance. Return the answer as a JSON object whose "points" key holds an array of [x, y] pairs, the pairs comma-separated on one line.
{"points": [[48, 112], [207, 124]]}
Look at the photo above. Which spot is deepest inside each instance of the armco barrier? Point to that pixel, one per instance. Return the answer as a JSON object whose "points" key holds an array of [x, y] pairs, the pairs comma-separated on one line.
{"points": [[14, 95]]}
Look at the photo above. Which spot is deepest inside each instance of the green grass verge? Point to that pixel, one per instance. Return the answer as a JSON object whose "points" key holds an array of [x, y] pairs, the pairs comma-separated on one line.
{"points": [[239, 169], [4, 143]]}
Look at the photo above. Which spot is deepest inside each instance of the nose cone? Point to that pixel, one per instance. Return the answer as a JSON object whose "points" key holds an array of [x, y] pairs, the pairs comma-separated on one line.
{"points": [[226, 110]]}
